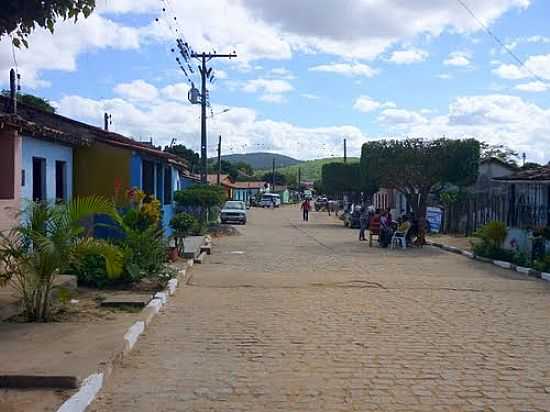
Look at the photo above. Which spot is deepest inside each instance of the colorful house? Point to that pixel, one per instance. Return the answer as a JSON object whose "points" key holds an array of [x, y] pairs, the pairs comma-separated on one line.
{"points": [[36, 163], [50, 157]]}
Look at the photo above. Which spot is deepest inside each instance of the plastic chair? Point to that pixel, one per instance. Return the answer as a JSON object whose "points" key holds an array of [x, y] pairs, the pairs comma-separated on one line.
{"points": [[399, 239]]}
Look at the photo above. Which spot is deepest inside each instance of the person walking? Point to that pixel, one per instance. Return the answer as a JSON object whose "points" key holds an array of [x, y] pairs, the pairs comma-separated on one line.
{"points": [[306, 206]]}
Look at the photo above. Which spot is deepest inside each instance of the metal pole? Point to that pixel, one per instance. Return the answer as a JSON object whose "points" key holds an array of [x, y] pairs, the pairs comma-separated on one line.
{"points": [[204, 153], [13, 92], [219, 159], [299, 178]]}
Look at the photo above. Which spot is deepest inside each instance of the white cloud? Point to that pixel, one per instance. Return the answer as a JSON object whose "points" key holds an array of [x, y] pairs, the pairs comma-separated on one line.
{"points": [[535, 65], [279, 29], [138, 90], [408, 56], [400, 117], [534, 87], [496, 118], [282, 73], [178, 92], [60, 51], [347, 69], [268, 86], [241, 128], [445, 76], [365, 104], [458, 59]]}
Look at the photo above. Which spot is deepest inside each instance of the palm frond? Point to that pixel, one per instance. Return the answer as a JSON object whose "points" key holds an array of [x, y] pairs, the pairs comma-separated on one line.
{"points": [[113, 256]]}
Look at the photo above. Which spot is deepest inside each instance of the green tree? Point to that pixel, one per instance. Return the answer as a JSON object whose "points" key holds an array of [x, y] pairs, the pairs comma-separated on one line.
{"points": [[31, 100], [418, 168], [189, 155], [340, 178], [244, 168], [500, 152], [51, 240], [19, 18], [203, 197], [280, 179]]}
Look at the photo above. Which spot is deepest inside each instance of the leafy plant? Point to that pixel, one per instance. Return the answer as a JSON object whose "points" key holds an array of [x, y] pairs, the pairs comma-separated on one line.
{"points": [[182, 224], [50, 240], [90, 271], [494, 233], [543, 264], [19, 18], [204, 198]]}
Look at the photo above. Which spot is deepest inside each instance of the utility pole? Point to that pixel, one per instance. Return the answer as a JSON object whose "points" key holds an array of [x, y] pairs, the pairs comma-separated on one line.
{"points": [[273, 176], [219, 159], [13, 92], [345, 150], [299, 179], [205, 74]]}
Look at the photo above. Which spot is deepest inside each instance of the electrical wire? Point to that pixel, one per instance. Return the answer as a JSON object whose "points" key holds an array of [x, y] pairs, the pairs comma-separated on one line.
{"points": [[498, 41]]}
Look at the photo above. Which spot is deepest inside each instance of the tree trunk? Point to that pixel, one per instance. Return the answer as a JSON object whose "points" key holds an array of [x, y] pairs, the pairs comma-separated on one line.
{"points": [[417, 202]]}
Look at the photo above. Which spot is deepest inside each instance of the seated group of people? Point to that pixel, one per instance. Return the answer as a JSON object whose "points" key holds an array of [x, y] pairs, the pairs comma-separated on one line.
{"points": [[381, 223]]}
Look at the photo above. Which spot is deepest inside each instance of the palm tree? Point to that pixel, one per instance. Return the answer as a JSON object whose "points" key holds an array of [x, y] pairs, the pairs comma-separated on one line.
{"points": [[49, 240]]}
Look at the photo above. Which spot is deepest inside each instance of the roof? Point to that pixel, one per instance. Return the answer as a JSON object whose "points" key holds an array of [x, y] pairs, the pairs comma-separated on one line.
{"points": [[225, 180], [213, 179], [539, 175], [48, 125]]}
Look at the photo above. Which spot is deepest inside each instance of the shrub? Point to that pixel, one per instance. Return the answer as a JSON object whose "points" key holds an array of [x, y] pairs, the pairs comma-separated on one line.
{"points": [[543, 265], [183, 223], [90, 271], [493, 233], [51, 240]]}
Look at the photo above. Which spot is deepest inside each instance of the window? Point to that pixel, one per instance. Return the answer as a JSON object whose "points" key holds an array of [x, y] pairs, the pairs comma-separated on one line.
{"points": [[168, 190], [148, 177], [38, 179], [60, 180]]}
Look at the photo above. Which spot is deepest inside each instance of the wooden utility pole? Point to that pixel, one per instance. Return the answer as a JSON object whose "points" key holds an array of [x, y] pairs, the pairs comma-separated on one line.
{"points": [[205, 74], [219, 159], [106, 121], [299, 178]]}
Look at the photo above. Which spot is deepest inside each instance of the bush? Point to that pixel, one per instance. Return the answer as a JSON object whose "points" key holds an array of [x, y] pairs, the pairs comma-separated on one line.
{"points": [[493, 233], [91, 272], [183, 223], [489, 251], [543, 265]]}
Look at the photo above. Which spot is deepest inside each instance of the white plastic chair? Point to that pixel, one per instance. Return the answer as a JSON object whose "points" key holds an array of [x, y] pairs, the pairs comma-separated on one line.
{"points": [[399, 239]]}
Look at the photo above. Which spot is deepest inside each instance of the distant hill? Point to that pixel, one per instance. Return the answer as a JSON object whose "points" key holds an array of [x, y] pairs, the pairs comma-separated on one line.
{"points": [[310, 169], [262, 160]]}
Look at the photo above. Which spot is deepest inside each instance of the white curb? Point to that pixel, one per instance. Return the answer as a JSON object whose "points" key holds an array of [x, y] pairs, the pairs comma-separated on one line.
{"points": [[545, 276], [504, 265], [523, 270], [85, 395], [162, 296], [133, 333], [468, 254], [172, 286], [156, 304]]}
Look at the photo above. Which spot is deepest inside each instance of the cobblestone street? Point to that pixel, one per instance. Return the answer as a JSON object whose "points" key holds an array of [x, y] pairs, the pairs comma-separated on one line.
{"points": [[303, 317]]}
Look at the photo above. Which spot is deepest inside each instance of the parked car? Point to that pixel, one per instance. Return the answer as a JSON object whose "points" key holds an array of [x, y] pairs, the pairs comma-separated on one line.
{"points": [[233, 212], [351, 217], [270, 199], [321, 203]]}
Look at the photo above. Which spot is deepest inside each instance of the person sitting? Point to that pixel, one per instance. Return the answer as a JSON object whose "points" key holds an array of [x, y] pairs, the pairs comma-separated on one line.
{"points": [[386, 230], [374, 226]]}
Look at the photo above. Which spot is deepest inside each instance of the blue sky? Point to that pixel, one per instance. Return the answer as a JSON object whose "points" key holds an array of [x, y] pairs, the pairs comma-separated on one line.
{"points": [[309, 73]]}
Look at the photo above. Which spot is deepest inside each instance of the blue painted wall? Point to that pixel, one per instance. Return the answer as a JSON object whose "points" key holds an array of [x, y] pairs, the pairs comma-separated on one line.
{"points": [[52, 152]]}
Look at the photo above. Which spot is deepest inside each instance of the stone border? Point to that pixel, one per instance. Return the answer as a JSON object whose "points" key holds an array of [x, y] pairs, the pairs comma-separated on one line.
{"points": [[501, 264], [93, 384]]}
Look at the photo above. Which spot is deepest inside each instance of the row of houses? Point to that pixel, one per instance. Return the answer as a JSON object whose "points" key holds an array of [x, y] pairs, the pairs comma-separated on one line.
{"points": [[48, 157]]}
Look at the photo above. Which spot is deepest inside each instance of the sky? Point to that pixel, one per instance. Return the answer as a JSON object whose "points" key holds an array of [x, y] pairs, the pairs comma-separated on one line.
{"points": [[308, 75]]}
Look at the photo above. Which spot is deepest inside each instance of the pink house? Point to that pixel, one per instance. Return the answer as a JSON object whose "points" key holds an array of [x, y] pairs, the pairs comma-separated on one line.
{"points": [[10, 170]]}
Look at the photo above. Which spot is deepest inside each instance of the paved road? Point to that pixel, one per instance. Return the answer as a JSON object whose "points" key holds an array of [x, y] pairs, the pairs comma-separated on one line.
{"points": [[302, 317]]}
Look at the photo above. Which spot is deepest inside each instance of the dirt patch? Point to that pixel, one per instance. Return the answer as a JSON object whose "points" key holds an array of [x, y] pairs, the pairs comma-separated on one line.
{"points": [[461, 242]]}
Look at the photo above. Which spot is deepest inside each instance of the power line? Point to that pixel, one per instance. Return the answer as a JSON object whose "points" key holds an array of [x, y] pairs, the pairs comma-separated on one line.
{"points": [[500, 42]]}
